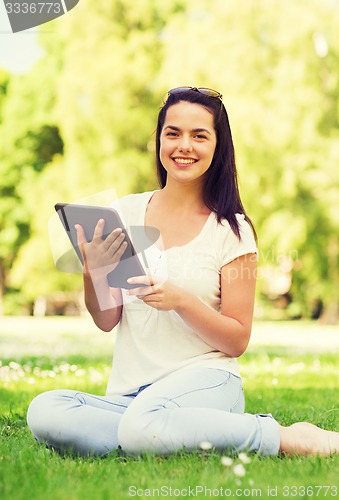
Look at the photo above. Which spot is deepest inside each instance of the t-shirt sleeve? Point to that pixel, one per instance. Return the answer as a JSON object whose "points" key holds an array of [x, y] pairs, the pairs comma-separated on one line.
{"points": [[232, 247]]}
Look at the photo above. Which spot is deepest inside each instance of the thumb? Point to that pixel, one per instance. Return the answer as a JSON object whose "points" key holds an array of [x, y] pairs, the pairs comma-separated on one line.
{"points": [[81, 237], [81, 240]]}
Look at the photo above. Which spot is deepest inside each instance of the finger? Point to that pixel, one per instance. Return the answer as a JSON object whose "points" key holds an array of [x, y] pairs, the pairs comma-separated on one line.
{"points": [[114, 245], [81, 237], [81, 241], [99, 229], [142, 291], [151, 298], [118, 253], [145, 280], [116, 236]]}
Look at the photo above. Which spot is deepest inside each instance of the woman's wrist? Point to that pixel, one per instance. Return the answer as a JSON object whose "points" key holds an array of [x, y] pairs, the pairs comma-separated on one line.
{"points": [[97, 292], [184, 301], [96, 276]]}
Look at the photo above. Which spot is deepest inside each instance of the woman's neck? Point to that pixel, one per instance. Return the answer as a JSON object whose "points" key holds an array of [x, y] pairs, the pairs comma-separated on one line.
{"points": [[185, 197]]}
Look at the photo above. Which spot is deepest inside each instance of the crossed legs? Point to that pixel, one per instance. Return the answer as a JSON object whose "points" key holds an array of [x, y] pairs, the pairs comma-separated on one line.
{"points": [[179, 411]]}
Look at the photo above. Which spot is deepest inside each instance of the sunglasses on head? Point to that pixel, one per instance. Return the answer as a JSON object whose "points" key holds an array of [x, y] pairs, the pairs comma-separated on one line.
{"points": [[202, 90]]}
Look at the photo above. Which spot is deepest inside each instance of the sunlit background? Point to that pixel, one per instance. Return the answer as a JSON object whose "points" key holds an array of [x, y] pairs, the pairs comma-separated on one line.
{"points": [[78, 104]]}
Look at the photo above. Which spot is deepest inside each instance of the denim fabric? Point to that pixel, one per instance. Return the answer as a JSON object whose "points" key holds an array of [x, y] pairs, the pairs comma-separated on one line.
{"points": [[179, 411]]}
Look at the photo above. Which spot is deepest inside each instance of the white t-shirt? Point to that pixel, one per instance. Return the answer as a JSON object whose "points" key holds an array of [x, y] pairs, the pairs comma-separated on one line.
{"points": [[151, 344]]}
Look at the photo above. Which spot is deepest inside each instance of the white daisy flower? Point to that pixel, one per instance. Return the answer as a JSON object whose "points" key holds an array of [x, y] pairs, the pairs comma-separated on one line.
{"points": [[239, 470], [244, 458], [205, 445], [226, 461]]}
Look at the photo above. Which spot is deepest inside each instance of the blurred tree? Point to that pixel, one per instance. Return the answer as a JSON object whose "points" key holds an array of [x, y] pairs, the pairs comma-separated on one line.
{"points": [[106, 117], [30, 139], [97, 93], [4, 81], [276, 65]]}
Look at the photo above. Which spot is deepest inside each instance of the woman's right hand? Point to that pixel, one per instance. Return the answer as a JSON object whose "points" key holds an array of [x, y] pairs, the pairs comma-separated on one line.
{"points": [[101, 256]]}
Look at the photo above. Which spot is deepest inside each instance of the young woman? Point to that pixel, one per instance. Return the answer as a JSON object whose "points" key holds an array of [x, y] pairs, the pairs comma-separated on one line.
{"points": [[175, 381]]}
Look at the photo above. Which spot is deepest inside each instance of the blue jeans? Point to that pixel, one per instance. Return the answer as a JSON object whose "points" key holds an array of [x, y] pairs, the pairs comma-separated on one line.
{"points": [[179, 411]]}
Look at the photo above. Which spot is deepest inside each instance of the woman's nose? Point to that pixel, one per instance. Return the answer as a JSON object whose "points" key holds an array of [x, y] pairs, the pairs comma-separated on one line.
{"points": [[185, 146]]}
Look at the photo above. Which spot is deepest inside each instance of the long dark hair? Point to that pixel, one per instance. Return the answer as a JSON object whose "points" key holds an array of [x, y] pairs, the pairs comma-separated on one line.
{"points": [[221, 190]]}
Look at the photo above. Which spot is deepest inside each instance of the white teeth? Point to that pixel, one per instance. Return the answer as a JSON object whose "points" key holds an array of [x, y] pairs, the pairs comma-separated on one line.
{"points": [[184, 161]]}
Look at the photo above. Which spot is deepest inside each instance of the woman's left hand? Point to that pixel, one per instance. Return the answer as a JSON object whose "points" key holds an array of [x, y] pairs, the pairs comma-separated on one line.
{"points": [[157, 293]]}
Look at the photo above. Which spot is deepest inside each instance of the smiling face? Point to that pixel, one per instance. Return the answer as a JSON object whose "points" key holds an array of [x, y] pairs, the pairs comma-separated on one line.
{"points": [[187, 142]]}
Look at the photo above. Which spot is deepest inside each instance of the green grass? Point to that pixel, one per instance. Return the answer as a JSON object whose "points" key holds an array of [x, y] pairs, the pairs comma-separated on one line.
{"points": [[292, 386]]}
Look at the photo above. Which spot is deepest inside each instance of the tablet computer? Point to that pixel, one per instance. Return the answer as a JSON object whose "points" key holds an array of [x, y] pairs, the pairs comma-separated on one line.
{"points": [[88, 217]]}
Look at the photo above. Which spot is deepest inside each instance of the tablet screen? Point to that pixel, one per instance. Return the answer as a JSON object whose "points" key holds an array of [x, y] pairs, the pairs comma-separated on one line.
{"points": [[88, 217]]}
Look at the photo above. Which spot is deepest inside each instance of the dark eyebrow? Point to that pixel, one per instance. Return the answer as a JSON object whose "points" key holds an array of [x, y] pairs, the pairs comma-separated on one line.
{"points": [[195, 130]]}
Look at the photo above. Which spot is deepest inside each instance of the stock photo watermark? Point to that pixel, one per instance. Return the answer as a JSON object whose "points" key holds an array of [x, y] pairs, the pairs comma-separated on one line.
{"points": [[24, 15], [273, 491]]}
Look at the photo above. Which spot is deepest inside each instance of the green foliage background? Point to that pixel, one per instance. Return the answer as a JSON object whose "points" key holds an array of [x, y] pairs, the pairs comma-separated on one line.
{"points": [[82, 121]]}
